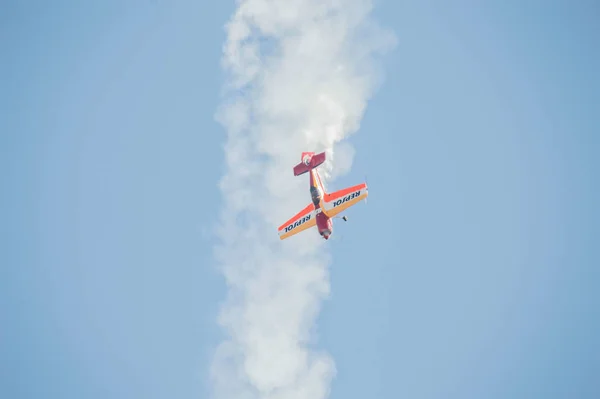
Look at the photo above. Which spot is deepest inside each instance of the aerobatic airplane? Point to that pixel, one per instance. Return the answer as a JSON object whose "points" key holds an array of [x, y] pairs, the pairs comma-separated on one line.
{"points": [[324, 207]]}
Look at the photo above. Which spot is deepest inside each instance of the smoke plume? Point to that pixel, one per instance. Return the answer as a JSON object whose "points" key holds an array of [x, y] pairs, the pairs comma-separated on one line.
{"points": [[300, 73]]}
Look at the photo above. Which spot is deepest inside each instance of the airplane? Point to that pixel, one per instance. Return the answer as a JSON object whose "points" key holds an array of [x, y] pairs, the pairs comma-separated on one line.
{"points": [[324, 206]]}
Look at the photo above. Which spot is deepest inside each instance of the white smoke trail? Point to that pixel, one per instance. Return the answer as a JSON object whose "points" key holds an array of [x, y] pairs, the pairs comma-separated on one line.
{"points": [[301, 72]]}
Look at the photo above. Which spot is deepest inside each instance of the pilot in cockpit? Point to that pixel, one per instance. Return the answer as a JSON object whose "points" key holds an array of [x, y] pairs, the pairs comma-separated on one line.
{"points": [[315, 194]]}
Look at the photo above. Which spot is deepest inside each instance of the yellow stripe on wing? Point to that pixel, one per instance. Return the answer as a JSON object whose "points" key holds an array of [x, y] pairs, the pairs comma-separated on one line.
{"points": [[311, 223], [334, 211]]}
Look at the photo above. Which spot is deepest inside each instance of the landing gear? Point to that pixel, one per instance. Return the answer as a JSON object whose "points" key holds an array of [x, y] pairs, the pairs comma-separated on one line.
{"points": [[345, 218]]}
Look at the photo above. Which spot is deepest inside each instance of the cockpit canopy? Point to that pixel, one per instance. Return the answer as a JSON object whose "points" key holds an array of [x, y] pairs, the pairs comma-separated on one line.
{"points": [[315, 193]]}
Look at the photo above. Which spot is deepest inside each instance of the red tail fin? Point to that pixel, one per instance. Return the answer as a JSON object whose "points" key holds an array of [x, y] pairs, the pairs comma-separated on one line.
{"points": [[309, 161]]}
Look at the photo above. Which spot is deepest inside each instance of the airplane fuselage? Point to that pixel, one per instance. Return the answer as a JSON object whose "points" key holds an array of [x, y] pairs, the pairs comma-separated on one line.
{"points": [[317, 193]]}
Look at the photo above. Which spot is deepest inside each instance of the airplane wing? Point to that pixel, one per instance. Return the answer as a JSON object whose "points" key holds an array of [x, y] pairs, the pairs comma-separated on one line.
{"points": [[303, 220], [343, 199]]}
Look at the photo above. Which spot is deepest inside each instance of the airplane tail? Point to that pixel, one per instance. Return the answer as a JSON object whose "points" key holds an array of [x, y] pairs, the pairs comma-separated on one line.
{"points": [[310, 160]]}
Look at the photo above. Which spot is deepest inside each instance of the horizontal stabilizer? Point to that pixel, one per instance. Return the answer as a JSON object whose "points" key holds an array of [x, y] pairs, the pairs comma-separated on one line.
{"points": [[309, 161]]}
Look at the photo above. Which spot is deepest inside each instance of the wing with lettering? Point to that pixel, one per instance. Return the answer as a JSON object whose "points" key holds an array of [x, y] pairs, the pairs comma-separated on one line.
{"points": [[343, 199], [303, 220]]}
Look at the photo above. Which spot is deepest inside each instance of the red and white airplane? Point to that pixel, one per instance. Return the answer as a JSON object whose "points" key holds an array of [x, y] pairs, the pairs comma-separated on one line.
{"points": [[324, 207]]}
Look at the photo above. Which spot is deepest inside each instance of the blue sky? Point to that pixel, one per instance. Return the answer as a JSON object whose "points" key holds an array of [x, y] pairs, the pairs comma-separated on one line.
{"points": [[470, 273]]}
